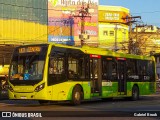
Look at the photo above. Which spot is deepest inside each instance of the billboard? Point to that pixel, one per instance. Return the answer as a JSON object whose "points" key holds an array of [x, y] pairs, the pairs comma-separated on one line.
{"points": [[113, 16], [66, 21]]}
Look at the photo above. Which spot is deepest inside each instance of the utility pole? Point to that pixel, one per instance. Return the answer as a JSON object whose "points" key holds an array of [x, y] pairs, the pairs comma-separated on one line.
{"points": [[130, 44], [139, 43], [136, 33], [83, 13], [115, 47], [131, 20]]}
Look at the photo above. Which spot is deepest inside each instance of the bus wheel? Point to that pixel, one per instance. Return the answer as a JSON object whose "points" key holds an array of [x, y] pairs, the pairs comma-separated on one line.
{"points": [[76, 95], [43, 102], [135, 93]]}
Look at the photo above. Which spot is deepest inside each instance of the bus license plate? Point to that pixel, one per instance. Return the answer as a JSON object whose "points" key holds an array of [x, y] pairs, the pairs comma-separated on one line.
{"points": [[23, 97]]}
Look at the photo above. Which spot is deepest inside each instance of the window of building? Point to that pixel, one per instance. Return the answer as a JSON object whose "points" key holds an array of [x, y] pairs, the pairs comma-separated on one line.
{"points": [[105, 33], [111, 33]]}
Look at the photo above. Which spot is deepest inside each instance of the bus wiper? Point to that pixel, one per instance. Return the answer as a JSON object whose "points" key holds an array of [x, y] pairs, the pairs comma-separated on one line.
{"points": [[32, 57]]}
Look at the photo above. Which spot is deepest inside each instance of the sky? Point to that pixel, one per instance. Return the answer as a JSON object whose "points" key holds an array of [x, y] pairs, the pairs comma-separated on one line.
{"points": [[149, 10]]}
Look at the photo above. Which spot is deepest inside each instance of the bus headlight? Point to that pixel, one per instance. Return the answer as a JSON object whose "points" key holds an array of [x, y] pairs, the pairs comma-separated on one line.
{"points": [[39, 87], [10, 88]]}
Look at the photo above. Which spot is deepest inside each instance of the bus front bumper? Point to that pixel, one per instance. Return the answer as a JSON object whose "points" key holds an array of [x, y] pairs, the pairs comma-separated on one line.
{"points": [[24, 96]]}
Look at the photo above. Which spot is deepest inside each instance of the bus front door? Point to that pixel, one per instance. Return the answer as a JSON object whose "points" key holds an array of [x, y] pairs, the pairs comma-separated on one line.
{"points": [[122, 85], [96, 76]]}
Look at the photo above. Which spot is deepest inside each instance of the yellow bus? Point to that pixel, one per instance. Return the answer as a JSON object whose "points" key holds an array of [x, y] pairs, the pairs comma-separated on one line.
{"points": [[56, 72]]}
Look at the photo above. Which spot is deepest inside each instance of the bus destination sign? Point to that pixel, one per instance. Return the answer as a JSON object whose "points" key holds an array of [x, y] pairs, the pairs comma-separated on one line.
{"points": [[29, 49]]}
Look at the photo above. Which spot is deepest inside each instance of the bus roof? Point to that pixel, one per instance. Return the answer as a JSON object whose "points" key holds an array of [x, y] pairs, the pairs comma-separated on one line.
{"points": [[100, 51], [105, 52]]}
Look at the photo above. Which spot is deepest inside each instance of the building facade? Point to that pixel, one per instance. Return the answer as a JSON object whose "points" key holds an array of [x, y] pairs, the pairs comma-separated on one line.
{"points": [[23, 21], [146, 40], [113, 28], [73, 21], [43, 21], [62, 21]]}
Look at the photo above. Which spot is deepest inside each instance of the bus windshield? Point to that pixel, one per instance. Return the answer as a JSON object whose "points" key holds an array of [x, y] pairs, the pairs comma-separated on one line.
{"points": [[28, 63]]}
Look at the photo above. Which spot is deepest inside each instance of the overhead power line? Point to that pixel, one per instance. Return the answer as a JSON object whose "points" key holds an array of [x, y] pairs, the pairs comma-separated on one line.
{"points": [[147, 12]]}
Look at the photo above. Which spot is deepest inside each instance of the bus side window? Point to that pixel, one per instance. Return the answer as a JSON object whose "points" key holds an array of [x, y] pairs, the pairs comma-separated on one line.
{"points": [[72, 67], [142, 67], [56, 66], [109, 69], [131, 67], [114, 72], [150, 70], [77, 66], [51, 66]]}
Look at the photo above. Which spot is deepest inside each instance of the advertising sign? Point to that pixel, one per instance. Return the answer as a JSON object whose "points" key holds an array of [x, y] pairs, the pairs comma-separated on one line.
{"points": [[66, 21], [113, 16]]}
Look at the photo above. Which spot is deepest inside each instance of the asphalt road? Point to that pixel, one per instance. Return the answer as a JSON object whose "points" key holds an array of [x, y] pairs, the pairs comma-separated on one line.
{"points": [[148, 107]]}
